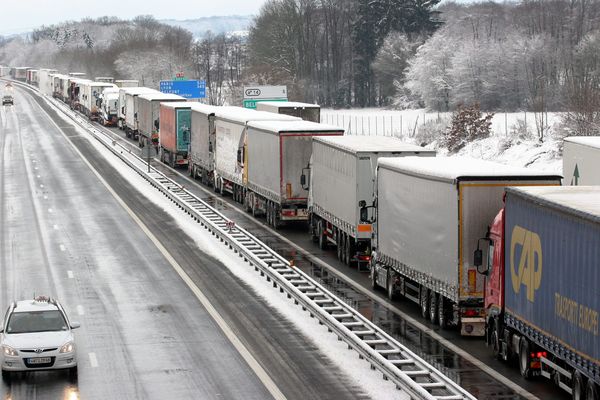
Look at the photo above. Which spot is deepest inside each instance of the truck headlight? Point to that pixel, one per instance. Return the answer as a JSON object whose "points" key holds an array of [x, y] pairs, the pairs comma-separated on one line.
{"points": [[67, 347], [9, 351]]}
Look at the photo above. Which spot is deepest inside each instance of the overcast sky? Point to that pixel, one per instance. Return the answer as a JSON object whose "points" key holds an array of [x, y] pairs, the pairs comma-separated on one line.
{"points": [[18, 16]]}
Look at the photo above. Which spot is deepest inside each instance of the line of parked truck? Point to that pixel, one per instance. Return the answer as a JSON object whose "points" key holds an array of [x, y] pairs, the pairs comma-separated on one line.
{"points": [[500, 252]]}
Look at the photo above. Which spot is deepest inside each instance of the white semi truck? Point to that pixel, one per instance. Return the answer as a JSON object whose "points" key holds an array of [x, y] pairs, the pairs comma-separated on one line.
{"points": [[342, 184], [431, 213]]}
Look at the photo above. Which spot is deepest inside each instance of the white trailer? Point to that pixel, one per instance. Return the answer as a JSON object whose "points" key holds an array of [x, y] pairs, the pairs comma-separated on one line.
{"points": [[123, 83], [109, 109], [75, 92], [581, 160], [148, 115], [201, 156], [276, 156], [45, 81], [20, 73], [127, 111], [342, 191], [4, 71], [231, 127], [80, 75], [431, 213], [105, 79], [33, 76], [306, 111], [91, 98]]}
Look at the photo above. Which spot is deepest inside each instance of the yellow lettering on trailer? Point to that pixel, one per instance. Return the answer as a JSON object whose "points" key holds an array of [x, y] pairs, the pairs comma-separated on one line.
{"points": [[529, 270]]}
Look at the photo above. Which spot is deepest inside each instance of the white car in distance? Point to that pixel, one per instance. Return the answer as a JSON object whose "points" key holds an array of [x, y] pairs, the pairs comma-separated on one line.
{"points": [[36, 335]]}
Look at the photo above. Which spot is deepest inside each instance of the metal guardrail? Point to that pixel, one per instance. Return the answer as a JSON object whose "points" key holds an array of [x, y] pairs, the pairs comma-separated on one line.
{"points": [[397, 363]]}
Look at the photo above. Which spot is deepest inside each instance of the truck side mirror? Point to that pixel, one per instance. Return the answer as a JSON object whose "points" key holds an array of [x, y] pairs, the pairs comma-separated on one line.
{"points": [[364, 214], [304, 178], [239, 156], [478, 258]]}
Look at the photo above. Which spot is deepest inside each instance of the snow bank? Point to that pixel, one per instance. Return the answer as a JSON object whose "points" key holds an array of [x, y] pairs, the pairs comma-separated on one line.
{"points": [[503, 146]]}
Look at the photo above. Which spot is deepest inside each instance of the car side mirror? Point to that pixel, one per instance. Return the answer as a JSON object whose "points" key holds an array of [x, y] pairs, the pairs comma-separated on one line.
{"points": [[304, 180], [75, 325]]}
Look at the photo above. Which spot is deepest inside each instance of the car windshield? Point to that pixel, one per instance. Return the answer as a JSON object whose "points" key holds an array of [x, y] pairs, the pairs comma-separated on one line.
{"points": [[36, 321]]}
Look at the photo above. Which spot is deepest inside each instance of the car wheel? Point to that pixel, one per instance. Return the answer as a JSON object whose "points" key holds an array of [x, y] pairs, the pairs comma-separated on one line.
{"points": [[6, 375], [73, 374], [524, 359]]}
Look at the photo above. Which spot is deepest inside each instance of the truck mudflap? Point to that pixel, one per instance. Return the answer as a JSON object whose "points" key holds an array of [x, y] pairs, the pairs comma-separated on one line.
{"points": [[472, 326], [291, 214]]}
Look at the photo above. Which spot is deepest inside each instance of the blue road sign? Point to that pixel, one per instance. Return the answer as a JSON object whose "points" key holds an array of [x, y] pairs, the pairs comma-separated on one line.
{"points": [[187, 89]]}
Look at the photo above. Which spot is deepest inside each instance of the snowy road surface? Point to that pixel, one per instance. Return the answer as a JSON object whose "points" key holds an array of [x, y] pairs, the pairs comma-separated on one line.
{"points": [[144, 334]]}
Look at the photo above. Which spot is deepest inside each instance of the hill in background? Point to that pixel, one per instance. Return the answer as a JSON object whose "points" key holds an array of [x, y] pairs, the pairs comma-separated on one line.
{"points": [[234, 24]]}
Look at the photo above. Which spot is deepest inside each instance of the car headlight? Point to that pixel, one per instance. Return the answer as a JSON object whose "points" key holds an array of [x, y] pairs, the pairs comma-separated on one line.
{"points": [[9, 351], [67, 347]]}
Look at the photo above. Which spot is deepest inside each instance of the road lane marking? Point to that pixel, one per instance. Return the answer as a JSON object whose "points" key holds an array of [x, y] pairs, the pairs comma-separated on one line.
{"points": [[80, 310], [50, 210], [45, 197], [55, 227], [70, 274], [42, 186], [93, 360], [62, 247], [38, 176], [260, 372]]}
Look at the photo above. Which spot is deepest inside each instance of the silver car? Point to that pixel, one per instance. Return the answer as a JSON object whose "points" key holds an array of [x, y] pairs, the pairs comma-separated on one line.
{"points": [[36, 335]]}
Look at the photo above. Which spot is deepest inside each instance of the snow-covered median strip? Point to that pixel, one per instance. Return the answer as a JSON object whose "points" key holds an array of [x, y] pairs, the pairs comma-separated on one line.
{"points": [[358, 371]]}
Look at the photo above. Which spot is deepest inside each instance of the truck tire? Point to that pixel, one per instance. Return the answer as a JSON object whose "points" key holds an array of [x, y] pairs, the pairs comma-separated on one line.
{"points": [[373, 278], [312, 229], [424, 301], [338, 245], [322, 237], [495, 341], [442, 312], [349, 247], [591, 391], [578, 386], [276, 222], [391, 293], [433, 304], [524, 358]]}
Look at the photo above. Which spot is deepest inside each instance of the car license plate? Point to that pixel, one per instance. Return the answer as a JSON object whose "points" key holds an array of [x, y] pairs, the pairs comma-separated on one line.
{"points": [[40, 360]]}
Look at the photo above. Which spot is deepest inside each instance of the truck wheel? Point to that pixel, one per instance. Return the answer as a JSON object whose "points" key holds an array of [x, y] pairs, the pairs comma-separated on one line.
{"points": [[442, 317], [349, 251], [591, 392], [433, 304], [268, 214], [373, 278], [275, 220], [391, 292], [495, 341], [338, 245], [524, 358], [322, 237], [578, 386], [312, 230], [424, 301]]}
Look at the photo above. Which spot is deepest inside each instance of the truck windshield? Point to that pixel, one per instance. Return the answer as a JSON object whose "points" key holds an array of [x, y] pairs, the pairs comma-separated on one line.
{"points": [[36, 321]]}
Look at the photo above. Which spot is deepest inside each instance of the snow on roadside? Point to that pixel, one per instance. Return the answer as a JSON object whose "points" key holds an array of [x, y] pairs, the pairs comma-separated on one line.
{"points": [[358, 371], [502, 146]]}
